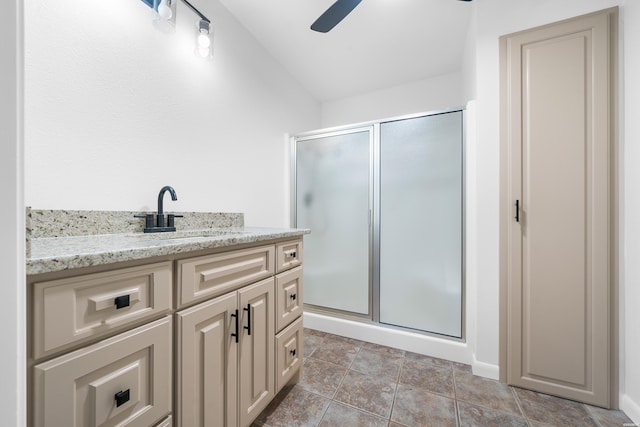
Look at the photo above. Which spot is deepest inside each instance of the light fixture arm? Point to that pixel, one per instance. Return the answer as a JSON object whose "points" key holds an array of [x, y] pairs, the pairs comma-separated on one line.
{"points": [[192, 7]]}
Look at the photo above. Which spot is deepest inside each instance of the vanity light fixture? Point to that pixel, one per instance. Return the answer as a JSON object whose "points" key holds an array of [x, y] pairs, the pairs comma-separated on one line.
{"points": [[166, 17]]}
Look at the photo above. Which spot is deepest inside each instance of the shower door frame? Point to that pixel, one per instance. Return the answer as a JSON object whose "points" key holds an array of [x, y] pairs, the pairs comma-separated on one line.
{"points": [[325, 133], [373, 126]]}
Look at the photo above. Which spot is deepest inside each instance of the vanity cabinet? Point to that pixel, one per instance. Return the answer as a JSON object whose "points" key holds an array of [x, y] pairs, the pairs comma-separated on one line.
{"points": [[115, 348]]}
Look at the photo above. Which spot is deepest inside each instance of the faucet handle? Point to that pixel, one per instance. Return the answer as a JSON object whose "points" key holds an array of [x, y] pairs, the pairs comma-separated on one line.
{"points": [[148, 219], [171, 219]]}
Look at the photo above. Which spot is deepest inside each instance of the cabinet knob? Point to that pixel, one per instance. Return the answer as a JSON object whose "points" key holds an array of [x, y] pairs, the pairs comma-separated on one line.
{"points": [[122, 397], [122, 301], [293, 297], [292, 351]]}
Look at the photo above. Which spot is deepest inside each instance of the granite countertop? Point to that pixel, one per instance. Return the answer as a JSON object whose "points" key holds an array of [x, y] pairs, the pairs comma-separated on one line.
{"points": [[63, 253], [63, 240]]}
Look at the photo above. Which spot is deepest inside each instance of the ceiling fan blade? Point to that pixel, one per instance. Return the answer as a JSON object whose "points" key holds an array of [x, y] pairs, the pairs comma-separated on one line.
{"points": [[332, 16]]}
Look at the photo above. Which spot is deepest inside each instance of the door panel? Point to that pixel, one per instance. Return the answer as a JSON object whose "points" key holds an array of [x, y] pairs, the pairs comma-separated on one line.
{"points": [[256, 366], [332, 199], [555, 110], [421, 223], [207, 364]]}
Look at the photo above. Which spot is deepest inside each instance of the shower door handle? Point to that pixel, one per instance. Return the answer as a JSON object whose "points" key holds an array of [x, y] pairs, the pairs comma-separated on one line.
{"points": [[517, 211]]}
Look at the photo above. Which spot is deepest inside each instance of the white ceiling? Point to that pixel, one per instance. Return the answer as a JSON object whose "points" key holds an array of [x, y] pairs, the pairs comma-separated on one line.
{"points": [[382, 43]]}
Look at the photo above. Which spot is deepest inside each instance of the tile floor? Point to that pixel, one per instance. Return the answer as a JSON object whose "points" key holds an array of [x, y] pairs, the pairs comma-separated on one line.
{"points": [[348, 383]]}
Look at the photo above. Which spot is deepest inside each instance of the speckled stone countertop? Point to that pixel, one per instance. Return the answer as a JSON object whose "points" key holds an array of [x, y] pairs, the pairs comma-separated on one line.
{"points": [[58, 250]]}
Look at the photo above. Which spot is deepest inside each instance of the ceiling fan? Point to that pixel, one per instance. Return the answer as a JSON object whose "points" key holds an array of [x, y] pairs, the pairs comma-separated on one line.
{"points": [[336, 13]]}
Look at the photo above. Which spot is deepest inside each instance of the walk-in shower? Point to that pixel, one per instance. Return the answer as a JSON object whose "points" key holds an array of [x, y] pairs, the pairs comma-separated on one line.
{"points": [[384, 201]]}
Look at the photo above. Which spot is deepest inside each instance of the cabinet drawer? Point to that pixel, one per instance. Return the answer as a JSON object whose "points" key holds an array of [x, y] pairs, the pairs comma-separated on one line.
{"points": [[288, 353], [289, 255], [123, 380], [69, 311], [288, 297], [212, 275]]}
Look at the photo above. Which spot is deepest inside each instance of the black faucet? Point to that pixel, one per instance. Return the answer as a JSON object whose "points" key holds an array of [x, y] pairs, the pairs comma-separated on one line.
{"points": [[160, 215], [160, 225]]}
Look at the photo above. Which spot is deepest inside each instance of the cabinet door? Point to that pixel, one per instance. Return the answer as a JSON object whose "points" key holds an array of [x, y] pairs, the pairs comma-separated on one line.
{"points": [[207, 364], [256, 369]]}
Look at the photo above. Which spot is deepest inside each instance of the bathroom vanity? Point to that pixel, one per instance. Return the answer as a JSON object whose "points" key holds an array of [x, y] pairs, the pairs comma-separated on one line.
{"points": [[199, 327]]}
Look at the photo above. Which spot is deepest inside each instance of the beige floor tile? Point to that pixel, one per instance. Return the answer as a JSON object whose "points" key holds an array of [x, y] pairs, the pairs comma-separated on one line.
{"points": [[377, 363], [342, 415], [478, 416], [311, 343], [294, 407], [553, 410], [339, 352], [427, 359], [416, 408], [485, 392], [608, 418], [433, 378], [384, 349], [321, 377], [366, 392]]}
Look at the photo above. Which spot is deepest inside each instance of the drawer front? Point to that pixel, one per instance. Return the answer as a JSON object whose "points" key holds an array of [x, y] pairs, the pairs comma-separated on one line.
{"points": [[289, 255], [289, 353], [69, 311], [213, 275], [123, 380], [288, 297]]}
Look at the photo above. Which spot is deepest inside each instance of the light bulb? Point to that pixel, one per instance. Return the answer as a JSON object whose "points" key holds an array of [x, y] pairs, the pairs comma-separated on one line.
{"points": [[204, 41], [203, 52], [164, 10]]}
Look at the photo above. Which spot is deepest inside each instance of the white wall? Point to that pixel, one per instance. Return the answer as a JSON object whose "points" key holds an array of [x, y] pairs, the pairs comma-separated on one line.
{"points": [[115, 109], [12, 315], [436, 93], [630, 224]]}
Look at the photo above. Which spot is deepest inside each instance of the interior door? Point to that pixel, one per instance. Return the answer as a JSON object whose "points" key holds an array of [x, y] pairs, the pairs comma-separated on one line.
{"points": [[557, 180]]}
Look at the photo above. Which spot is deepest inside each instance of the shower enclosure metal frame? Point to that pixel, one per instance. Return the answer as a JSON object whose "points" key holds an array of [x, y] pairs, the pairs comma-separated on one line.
{"points": [[373, 127]]}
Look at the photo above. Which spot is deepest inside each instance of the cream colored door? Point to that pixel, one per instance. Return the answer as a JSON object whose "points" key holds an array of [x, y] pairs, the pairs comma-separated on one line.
{"points": [[556, 165], [256, 367], [206, 366]]}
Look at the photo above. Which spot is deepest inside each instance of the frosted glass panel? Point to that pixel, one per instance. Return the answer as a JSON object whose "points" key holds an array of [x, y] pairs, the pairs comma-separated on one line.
{"points": [[421, 223], [332, 199]]}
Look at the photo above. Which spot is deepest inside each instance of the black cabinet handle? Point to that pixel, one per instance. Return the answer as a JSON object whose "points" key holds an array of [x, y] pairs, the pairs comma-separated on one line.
{"points": [[122, 397], [235, 316], [122, 301], [293, 254], [292, 352], [293, 297], [248, 310], [517, 210]]}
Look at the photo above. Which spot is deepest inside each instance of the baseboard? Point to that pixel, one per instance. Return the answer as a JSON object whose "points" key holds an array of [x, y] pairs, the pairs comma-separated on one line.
{"points": [[631, 408], [379, 334], [486, 370]]}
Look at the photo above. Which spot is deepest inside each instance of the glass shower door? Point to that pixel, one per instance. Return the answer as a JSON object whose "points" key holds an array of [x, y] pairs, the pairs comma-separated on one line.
{"points": [[421, 223], [333, 199]]}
